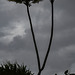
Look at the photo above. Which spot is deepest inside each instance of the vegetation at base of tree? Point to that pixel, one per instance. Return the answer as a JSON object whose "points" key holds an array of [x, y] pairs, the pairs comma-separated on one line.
{"points": [[67, 73], [14, 69]]}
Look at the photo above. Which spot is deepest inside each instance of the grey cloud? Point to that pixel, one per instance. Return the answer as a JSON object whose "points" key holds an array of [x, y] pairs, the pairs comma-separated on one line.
{"points": [[2, 34], [64, 35], [2, 46], [20, 43]]}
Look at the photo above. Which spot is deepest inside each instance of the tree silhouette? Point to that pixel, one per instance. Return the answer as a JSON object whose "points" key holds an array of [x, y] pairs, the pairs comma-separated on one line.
{"points": [[14, 69], [50, 41], [28, 4]]}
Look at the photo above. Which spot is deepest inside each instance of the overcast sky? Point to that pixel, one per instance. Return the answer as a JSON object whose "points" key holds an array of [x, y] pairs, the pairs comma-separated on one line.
{"points": [[16, 42]]}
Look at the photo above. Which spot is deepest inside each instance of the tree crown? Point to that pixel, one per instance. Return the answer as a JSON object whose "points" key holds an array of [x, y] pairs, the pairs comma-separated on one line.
{"points": [[26, 2]]}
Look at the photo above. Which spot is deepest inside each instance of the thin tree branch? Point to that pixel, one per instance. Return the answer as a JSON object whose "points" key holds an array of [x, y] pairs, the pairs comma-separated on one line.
{"points": [[36, 49]]}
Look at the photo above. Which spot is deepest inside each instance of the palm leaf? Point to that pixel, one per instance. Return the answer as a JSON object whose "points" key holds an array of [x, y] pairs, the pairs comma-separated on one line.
{"points": [[17, 1], [36, 1]]}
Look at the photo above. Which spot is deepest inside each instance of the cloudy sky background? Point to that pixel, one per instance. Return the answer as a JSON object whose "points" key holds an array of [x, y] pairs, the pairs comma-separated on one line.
{"points": [[16, 40]]}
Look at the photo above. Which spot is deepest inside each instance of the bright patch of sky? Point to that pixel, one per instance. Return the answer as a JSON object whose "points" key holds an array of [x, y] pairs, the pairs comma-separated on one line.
{"points": [[17, 29]]}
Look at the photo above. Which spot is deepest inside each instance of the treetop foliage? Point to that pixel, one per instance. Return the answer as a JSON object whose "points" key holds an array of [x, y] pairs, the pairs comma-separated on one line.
{"points": [[26, 2]]}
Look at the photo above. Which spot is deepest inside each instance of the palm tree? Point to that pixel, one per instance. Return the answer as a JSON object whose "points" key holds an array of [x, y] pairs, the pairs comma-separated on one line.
{"points": [[28, 4], [50, 41]]}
